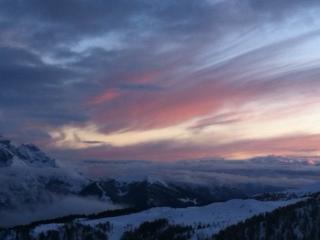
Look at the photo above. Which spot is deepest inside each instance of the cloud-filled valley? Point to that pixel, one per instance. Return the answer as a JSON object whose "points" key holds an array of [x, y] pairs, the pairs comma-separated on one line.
{"points": [[282, 172]]}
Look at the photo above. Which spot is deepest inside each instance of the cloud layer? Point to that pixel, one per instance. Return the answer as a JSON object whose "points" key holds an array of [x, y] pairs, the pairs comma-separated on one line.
{"points": [[280, 172]]}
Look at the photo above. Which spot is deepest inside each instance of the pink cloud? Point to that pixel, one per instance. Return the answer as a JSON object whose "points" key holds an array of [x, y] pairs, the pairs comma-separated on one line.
{"points": [[144, 77], [173, 106], [106, 96]]}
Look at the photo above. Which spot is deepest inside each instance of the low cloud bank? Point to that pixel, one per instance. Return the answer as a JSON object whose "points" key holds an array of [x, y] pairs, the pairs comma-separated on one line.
{"points": [[285, 172], [61, 206]]}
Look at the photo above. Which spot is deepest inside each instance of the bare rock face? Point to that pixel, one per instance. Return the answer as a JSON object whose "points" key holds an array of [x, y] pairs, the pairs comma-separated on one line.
{"points": [[6, 152], [5, 157]]}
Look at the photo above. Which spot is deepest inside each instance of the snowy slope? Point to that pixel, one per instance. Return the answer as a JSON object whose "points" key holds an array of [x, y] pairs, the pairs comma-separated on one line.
{"points": [[215, 216], [299, 221]]}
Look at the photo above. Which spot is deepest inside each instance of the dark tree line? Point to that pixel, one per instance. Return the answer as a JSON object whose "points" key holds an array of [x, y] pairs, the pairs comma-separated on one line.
{"points": [[70, 231], [159, 229], [300, 221]]}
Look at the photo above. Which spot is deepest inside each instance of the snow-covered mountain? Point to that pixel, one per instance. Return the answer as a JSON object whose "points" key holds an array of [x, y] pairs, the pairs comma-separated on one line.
{"points": [[34, 187], [32, 181], [28, 177], [192, 222], [148, 193], [217, 220], [25, 154]]}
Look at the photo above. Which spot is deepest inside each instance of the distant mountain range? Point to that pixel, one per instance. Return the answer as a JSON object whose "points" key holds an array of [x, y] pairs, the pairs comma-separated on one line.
{"points": [[149, 208], [29, 178], [273, 159]]}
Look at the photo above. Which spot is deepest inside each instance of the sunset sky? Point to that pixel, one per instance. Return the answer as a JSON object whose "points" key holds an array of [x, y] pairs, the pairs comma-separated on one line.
{"points": [[161, 80]]}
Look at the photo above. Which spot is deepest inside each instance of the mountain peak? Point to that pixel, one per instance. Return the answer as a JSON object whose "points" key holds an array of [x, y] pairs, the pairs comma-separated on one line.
{"points": [[28, 153]]}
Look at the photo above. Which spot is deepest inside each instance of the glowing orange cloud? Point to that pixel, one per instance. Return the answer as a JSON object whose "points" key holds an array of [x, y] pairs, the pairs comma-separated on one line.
{"points": [[298, 145]]}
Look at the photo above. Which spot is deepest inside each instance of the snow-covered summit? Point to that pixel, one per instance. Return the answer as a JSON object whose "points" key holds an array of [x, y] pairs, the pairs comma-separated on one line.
{"points": [[29, 178], [29, 154]]}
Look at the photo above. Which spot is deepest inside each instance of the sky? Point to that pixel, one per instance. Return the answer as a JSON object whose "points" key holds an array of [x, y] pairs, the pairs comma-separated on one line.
{"points": [[161, 80]]}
